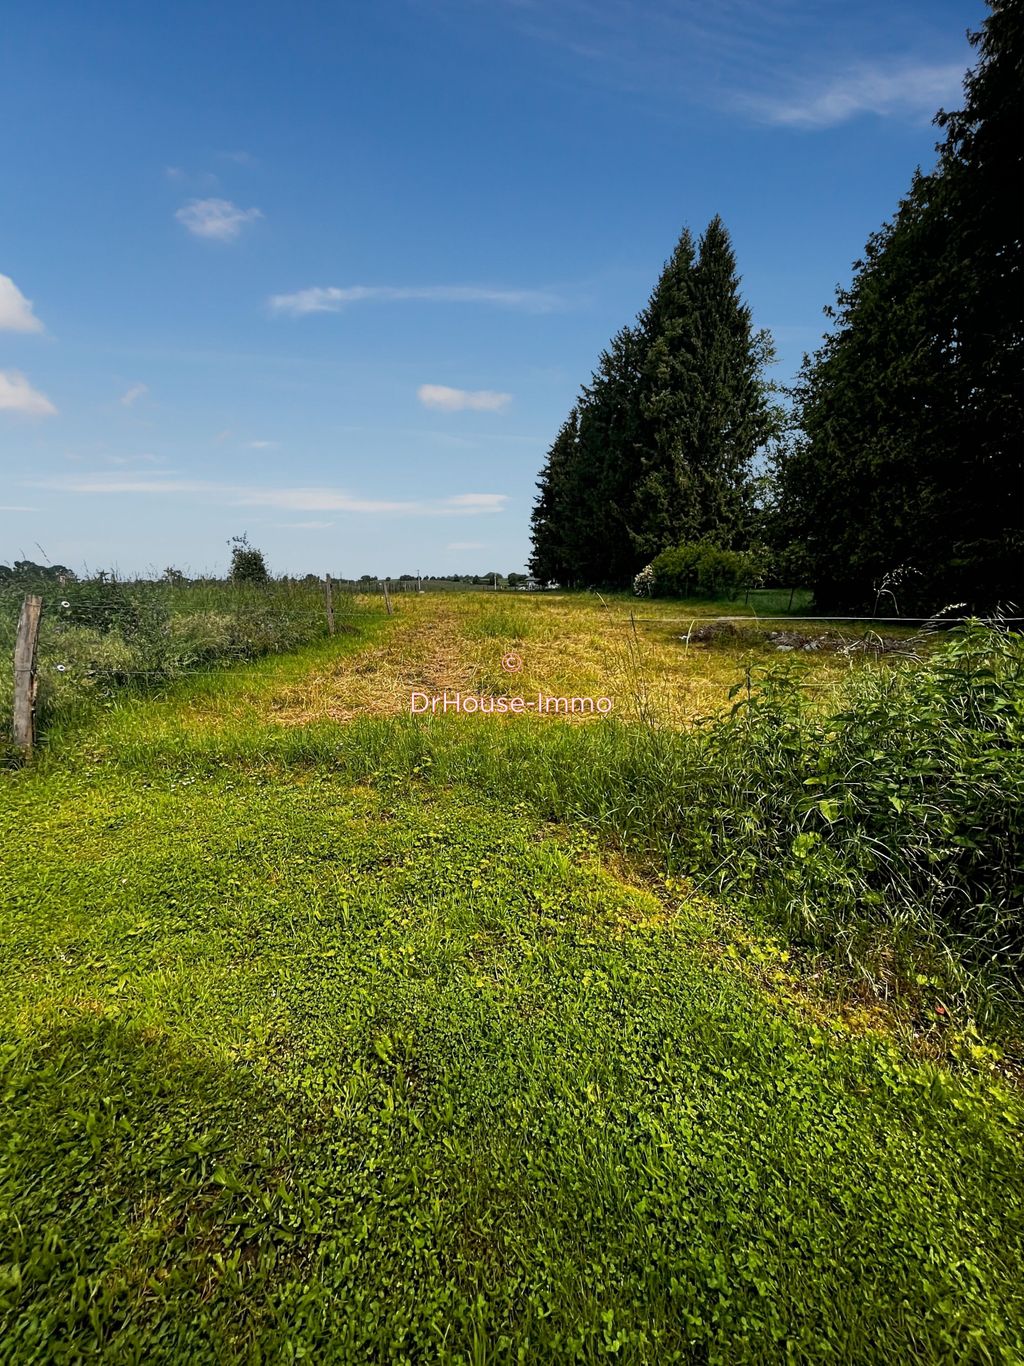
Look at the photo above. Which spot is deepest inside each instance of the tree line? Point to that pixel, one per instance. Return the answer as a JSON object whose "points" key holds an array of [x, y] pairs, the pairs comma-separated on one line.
{"points": [[895, 463]]}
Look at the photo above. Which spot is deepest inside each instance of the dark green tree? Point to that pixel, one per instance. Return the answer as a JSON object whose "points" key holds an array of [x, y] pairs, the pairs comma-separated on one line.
{"points": [[660, 447], [607, 464], [908, 463], [552, 517], [247, 563], [731, 414], [663, 507]]}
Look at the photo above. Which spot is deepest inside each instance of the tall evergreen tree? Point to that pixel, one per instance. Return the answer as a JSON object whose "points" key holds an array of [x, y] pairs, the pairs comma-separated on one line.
{"points": [[908, 462], [610, 437], [552, 518], [731, 414], [663, 507], [667, 429]]}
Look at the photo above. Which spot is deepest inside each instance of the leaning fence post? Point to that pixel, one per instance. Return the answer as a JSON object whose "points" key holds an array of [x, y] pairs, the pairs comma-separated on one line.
{"points": [[387, 595], [329, 604], [25, 647]]}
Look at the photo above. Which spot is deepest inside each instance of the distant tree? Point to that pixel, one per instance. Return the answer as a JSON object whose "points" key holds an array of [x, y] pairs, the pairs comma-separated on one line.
{"points": [[28, 572], [247, 563], [175, 577], [515, 579], [908, 454]]}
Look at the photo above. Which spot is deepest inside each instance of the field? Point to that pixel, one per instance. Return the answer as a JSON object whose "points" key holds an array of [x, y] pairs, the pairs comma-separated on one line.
{"points": [[333, 1033]]}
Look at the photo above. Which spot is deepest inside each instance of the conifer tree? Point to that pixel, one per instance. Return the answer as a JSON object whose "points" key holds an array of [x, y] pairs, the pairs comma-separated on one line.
{"points": [[731, 416], [663, 507], [665, 432], [552, 517], [607, 460], [908, 460]]}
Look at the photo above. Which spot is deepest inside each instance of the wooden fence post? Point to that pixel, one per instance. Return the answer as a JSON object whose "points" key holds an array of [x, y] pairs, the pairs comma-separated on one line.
{"points": [[329, 604], [387, 596], [25, 648]]}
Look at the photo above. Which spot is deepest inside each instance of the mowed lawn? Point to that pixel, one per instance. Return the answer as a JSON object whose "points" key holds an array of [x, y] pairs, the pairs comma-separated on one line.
{"points": [[310, 1055]]}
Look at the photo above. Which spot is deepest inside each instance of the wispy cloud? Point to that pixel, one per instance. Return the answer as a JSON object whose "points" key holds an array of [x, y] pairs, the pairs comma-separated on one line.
{"points": [[332, 298], [914, 91], [135, 392], [478, 502], [240, 158], [216, 219], [15, 310], [129, 460], [18, 396], [757, 59], [305, 526], [458, 400], [260, 445], [288, 499]]}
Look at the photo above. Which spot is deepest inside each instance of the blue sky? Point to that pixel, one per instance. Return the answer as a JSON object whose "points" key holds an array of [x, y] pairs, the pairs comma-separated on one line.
{"points": [[332, 274]]}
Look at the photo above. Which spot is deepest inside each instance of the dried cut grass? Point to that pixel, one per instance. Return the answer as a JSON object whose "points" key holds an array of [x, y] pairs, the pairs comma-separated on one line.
{"points": [[570, 647]]}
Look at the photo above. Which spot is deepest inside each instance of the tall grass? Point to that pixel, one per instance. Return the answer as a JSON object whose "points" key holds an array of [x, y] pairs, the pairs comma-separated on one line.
{"points": [[99, 637]]}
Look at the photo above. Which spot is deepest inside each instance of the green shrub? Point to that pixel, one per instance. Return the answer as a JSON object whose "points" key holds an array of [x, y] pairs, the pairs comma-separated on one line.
{"points": [[701, 568], [247, 563]]}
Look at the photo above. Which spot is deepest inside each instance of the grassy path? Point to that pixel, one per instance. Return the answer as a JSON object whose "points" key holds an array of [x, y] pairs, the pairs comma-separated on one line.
{"points": [[301, 1065]]}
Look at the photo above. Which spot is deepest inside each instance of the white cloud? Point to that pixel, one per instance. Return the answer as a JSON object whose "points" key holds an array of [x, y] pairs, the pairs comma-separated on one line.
{"points": [[241, 158], [305, 526], [760, 59], [18, 396], [261, 445], [909, 90], [456, 400], [217, 219], [135, 392], [332, 299], [15, 310], [479, 502], [294, 499]]}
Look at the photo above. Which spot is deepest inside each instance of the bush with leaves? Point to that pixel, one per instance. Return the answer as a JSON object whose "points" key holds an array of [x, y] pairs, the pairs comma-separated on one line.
{"points": [[699, 567], [247, 563], [890, 823]]}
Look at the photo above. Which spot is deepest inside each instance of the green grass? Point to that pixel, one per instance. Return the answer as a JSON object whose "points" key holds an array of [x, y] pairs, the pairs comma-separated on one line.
{"points": [[320, 1043], [101, 639]]}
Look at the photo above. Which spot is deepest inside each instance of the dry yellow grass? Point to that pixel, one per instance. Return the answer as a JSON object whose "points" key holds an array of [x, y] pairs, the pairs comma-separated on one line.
{"points": [[571, 646]]}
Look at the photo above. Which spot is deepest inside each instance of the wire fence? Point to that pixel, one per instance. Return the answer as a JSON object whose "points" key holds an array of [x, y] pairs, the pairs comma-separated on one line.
{"points": [[99, 638]]}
